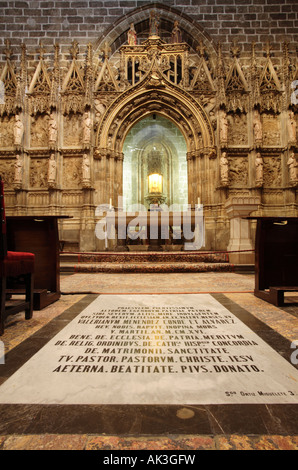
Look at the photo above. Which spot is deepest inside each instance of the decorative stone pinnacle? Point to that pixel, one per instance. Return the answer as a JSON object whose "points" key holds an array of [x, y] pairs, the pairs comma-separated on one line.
{"points": [[7, 50]]}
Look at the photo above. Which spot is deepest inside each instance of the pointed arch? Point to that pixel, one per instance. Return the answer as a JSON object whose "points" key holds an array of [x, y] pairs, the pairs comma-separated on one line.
{"points": [[192, 33], [155, 94]]}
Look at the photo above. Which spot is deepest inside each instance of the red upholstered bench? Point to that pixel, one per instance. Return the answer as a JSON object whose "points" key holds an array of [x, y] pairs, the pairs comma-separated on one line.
{"points": [[17, 266]]}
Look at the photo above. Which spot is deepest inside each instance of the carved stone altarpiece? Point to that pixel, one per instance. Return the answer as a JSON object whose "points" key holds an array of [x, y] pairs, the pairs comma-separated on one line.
{"points": [[63, 124]]}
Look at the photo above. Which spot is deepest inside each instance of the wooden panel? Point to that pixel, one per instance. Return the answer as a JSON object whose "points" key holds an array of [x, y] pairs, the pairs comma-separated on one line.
{"points": [[38, 235], [277, 253]]}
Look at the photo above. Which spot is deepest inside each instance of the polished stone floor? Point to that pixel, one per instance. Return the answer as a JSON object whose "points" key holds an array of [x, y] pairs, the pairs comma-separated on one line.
{"points": [[172, 427]]}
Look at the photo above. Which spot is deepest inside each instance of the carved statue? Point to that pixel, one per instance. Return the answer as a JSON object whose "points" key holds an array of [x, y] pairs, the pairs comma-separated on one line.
{"points": [[86, 167], [86, 128], [52, 169], [153, 24], [292, 128], [293, 168], [99, 109], [223, 127], [259, 170], [53, 129], [224, 169], [132, 36], [18, 170], [18, 130], [176, 33], [257, 127]]}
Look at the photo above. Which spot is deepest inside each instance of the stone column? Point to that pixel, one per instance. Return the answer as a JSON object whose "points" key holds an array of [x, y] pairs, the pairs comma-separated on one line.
{"points": [[237, 209]]}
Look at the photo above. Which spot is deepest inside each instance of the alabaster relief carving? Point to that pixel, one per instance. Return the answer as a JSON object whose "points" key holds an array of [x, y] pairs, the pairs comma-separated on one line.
{"points": [[7, 172], [272, 171], [39, 130], [7, 131], [72, 169], [271, 130], [238, 171], [39, 173], [73, 130], [237, 129]]}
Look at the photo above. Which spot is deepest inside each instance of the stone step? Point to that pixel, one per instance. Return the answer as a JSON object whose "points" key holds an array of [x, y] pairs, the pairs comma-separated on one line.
{"points": [[144, 257], [146, 267]]}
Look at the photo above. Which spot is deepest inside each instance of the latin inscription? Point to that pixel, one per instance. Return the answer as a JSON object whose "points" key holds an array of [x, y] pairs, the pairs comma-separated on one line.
{"points": [[140, 340], [154, 349]]}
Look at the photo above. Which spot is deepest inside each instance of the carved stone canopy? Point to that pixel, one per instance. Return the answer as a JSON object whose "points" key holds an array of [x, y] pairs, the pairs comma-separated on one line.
{"points": [[155, 92]]}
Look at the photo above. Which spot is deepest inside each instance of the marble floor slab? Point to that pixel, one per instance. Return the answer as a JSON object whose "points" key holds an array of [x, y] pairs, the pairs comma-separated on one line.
{"points": [[154, 350]]}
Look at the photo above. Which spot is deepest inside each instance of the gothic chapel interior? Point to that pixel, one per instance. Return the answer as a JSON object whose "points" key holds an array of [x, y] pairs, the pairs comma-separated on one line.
{"points": [[153, 110]]}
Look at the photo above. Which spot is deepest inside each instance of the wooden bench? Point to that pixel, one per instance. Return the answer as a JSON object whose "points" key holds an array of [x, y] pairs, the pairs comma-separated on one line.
{"points": [[277, 294], [276, 258]]}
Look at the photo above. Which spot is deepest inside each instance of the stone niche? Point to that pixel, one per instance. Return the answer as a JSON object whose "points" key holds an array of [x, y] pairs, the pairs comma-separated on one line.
{"points": [[72, 130]]}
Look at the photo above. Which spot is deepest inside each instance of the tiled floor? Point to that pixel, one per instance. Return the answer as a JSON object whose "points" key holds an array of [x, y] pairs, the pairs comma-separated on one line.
{"points": [[235, 289]]}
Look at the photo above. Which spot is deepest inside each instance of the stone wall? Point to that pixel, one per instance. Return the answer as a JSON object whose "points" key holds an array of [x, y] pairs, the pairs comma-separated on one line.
{"points": [[62, 21]]}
